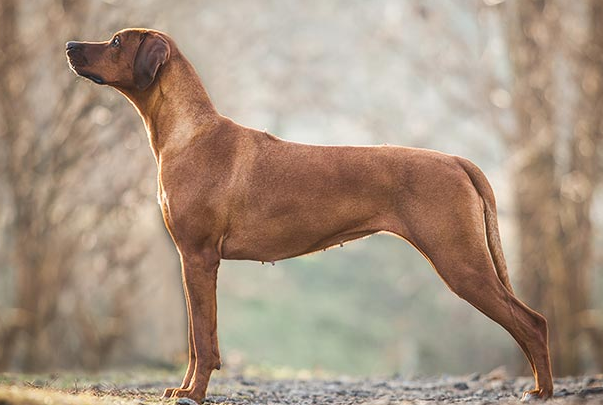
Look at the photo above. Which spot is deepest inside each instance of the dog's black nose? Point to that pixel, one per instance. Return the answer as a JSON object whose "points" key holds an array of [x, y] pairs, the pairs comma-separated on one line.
{"points": [[72, 45]]}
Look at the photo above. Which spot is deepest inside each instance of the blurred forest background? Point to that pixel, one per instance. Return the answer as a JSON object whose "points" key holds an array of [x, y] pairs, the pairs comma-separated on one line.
{"points": [[89, 278]]}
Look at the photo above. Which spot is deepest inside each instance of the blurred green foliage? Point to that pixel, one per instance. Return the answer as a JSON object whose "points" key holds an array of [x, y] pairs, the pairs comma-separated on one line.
{"points": [[372, 307]]}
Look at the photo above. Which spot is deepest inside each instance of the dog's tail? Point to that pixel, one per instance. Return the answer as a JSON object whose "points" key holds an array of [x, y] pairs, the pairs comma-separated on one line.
{"points": [[483, 188]]}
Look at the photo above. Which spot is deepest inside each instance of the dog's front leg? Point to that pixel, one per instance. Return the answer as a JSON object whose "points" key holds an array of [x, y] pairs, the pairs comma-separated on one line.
{"points": [[200, 273], [192, 356]]}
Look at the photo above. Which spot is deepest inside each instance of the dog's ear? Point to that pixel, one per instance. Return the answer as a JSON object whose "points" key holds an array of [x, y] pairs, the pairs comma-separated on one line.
{"points": [[153, 51]]}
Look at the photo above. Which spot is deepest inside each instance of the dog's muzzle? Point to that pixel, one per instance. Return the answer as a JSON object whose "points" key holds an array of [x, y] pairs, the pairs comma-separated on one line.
{"points": [[77, 60]]}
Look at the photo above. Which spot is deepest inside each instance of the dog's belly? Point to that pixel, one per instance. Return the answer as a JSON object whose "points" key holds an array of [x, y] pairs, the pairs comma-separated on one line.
{"points": [[285, 245], [296, 229]]}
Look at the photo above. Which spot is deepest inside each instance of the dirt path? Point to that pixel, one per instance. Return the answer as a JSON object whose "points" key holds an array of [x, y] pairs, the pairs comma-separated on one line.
{"points": [[239, 390]]}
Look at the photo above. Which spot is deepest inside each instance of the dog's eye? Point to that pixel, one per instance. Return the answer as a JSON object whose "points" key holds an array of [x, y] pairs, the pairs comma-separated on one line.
{"points": [[115, 43]]}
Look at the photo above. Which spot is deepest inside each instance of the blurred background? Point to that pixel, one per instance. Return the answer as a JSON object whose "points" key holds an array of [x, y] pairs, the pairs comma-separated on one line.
{"points": [[89, 277]]}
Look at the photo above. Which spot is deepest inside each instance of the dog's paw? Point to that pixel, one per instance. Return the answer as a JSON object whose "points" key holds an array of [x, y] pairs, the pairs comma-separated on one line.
{"points": [[188, 393], [535, 395], [529, 396]]}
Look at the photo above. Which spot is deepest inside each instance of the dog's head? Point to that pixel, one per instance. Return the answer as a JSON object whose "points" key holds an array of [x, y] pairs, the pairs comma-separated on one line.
{"points": [[130, 60]]}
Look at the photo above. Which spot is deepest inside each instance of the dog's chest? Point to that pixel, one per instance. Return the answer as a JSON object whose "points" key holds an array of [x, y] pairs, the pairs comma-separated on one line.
{"points": [[163, 201], [162, 198]]}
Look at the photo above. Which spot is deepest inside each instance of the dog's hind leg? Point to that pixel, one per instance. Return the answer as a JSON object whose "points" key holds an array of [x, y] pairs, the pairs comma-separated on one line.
{"points": [[453, 239]]}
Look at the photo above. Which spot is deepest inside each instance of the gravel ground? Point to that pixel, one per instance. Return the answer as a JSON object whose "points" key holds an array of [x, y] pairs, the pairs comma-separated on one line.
{"points": [[475, 389], [493, 388]]}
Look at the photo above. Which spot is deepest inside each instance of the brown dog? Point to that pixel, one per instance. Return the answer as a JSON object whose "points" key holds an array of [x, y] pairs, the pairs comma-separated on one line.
{"points": [[231, 192]]}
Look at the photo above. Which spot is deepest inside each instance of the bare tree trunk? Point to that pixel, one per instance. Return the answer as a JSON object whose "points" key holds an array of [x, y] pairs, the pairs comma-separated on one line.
{"points": [[553, 200], [530, 47], [10, 102], [41, 153], [578, 185]]}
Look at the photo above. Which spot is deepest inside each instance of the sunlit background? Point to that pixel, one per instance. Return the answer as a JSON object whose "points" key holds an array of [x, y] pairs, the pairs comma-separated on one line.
{"points": [[89, 277]]}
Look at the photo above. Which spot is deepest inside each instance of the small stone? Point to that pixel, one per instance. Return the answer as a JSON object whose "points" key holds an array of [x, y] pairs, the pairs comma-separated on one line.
{"points": [[590, 391], [587, 381], [247, 382], [186, 401], [563, 392], [461, 386]]}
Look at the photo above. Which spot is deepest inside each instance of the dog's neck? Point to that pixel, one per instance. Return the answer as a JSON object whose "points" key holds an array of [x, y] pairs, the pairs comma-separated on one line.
{"points": [[175, 108]]}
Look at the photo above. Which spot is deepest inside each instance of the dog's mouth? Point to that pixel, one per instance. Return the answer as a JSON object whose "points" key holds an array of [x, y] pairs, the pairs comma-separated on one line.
{"points": [[75, 58], [75, 63], [95, 79]]}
